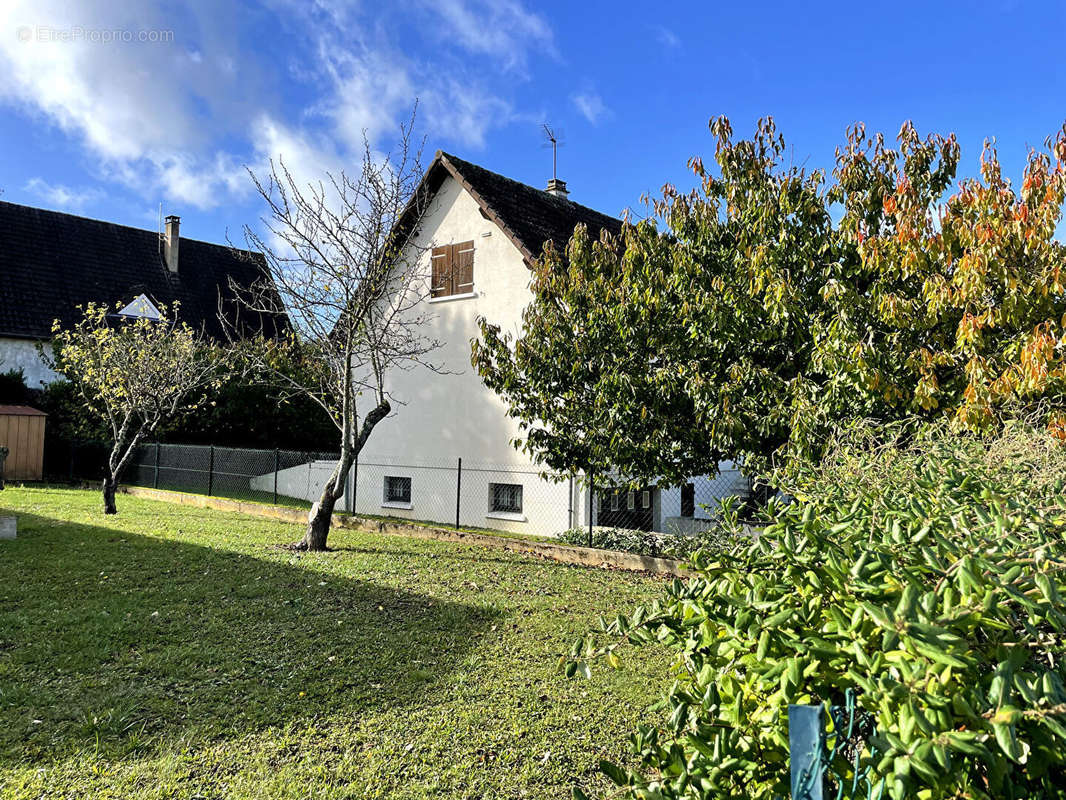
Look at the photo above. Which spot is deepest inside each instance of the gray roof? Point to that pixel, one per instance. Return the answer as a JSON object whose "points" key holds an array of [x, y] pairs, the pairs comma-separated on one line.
{"points": [[51, 262]]}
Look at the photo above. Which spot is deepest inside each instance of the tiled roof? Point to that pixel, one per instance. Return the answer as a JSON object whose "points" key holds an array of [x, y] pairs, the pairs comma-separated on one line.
{"points": [[530, 216], [51, 262]]}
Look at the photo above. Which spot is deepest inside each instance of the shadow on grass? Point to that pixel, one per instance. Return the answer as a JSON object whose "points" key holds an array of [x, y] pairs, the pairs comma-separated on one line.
{"points": [[119, 642]]}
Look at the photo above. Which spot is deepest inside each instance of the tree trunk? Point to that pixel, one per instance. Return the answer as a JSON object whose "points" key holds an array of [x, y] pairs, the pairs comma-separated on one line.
{"points": [[321, 516], [109, 487]]}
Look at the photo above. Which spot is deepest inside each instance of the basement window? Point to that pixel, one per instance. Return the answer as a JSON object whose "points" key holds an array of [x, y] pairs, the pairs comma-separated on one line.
{"points": [[397, 491], [505, 498]]}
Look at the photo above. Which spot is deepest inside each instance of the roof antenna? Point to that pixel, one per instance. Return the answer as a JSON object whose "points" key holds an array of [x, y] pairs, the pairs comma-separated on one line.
{"points": [[555, 140], [159, 229]]}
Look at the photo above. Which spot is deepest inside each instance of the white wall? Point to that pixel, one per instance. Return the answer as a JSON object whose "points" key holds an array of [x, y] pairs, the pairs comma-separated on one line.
{"points": [[22, 354], [546, 509], [439, 418]]}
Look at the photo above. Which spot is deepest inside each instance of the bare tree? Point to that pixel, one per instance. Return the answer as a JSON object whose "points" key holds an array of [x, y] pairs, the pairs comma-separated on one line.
{"points": [[343, 264]]}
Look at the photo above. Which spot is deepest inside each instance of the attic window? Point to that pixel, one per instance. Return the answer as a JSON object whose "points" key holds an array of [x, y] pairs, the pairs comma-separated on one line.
{"points": [[453, 270], [141, 308]]}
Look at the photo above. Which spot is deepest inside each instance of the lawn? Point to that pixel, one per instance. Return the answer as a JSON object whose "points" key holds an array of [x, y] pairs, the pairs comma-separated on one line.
{"points": [[177, 652]]}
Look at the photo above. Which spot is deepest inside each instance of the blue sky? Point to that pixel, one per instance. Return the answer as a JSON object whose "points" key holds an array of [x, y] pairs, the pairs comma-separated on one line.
{"points": [[110, 129]]}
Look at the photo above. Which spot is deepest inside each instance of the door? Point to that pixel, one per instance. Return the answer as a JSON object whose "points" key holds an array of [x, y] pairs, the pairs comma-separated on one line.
{"points": [[626, 508]]}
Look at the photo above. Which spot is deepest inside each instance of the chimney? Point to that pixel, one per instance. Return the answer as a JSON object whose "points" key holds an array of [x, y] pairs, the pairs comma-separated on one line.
{"points": [[171, 241], [557, 188]]}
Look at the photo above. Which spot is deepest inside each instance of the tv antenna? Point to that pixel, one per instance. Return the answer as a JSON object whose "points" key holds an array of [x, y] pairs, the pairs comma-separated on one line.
{"points": [[555, 141]]}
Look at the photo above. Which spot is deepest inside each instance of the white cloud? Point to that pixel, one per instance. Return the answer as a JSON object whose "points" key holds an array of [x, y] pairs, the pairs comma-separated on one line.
{"points": [[666, 37], [503, 29], [64, 197], [591, 106], [179, 119]]}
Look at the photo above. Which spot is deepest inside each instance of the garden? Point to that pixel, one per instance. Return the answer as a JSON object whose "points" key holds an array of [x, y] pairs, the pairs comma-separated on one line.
{"points": [[887, 361], [179, 652]]}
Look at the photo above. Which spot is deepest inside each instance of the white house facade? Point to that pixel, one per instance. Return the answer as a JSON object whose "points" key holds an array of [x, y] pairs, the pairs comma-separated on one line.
{"points": [[445, 454]]}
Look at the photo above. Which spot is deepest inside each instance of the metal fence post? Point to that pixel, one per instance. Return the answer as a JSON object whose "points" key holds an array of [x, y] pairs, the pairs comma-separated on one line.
{"points": [[570, 505], [355, 483], [155, 478], [458, 489], [592, 482], [277, 468], [211, 471], [806, 745]]}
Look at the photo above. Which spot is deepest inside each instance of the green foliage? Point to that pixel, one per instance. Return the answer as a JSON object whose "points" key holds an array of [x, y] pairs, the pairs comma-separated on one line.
{"points": [[242, 414], [13, 389], [740, 321], [662, 353], [645, 543], [924, 571]]}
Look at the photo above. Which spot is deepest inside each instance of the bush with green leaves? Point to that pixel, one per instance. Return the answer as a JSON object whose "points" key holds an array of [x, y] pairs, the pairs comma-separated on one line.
{"points": [[644, 543], [921, 571]]}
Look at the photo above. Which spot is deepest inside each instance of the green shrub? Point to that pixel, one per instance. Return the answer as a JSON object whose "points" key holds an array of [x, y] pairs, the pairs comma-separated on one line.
{"points": [[13, 390], [644, 543], [924, 572]]}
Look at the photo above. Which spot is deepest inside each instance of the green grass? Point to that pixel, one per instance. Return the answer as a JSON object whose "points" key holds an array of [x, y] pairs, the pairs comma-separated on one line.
{"points": [[174, 652]]}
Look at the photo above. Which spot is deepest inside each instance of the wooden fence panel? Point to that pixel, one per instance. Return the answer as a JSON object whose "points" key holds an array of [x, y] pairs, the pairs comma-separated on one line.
{"points": [[22, 432]]}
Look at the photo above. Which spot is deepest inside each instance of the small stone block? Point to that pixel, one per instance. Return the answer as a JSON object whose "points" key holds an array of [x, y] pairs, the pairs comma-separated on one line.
{"points": [[8, 527]]}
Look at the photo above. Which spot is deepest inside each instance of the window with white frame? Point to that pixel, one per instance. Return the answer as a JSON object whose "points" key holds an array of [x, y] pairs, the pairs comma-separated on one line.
{"points": [[505, 498], [397, 489]]}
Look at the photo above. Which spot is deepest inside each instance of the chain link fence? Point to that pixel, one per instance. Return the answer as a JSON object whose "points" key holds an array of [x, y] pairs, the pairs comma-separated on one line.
{"points": [[466, 494]]}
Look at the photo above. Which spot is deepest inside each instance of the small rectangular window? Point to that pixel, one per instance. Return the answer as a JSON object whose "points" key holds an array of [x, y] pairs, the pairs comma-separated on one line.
{"points": [[505, 497], [397, 489], [631, 501], [614, 501], [645, 499], [688, 500]]}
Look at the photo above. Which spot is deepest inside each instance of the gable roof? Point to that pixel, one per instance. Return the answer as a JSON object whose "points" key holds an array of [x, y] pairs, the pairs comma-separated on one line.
{"points": [[528, 216], [51, 262]]}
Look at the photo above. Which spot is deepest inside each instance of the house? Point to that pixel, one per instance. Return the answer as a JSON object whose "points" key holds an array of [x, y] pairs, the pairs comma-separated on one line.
{"points": [[51, 262], [478, 239]]}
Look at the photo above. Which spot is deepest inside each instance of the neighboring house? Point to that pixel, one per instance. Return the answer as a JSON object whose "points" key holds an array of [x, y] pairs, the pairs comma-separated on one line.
{"points": [[478, 239], [50, 263]]}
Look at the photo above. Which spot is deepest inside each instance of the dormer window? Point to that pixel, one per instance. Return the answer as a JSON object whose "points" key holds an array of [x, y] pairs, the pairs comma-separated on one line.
{"points": [[452, 270], [141, 308]]}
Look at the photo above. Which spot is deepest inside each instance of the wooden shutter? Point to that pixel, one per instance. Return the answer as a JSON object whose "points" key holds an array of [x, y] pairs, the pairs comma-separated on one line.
{"points": [[452, 269], [464, 267], [440, 280]]}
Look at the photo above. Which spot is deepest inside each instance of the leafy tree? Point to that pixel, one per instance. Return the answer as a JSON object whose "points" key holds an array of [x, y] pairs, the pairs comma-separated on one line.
{"points": [[923, 574], [667, 350], [740, 322], [343, 265], [952, 308], [244, 413], [134, 375]]}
